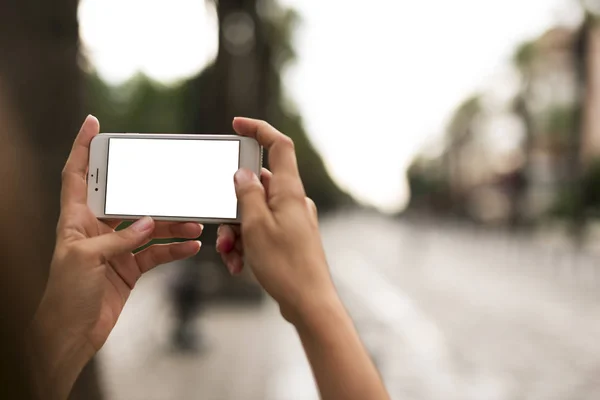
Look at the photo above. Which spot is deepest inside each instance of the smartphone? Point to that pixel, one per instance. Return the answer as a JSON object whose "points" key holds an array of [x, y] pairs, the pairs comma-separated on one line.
{"points": [[168, 177]]}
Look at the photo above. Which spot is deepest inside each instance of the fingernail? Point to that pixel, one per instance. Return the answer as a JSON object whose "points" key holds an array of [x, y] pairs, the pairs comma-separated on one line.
{"points": [[218, 245], [243, 176], [201, 227], [143, 225]]}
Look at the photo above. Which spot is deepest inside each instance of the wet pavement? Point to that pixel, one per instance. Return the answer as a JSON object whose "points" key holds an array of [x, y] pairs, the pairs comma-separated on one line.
{"points": [[447, 312]]}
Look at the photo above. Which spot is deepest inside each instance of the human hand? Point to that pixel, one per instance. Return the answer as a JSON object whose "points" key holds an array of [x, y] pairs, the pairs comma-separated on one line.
{"points": [[93, 269], [279, 238], [279, 233]]}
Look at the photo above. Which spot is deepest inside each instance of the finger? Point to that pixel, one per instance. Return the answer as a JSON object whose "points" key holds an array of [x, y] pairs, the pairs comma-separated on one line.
{"points": [[239, 245], [282, 157], [74, 186], [251, 196], [237, 230], [180, 230], [226, 238], [159, 254], [169, 230], [234, 262], [265, 179], [123, 241]]}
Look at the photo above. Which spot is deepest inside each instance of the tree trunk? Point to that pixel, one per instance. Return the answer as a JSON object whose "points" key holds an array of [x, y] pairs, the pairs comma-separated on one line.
{"points": [[520, 190], [237, 84]]}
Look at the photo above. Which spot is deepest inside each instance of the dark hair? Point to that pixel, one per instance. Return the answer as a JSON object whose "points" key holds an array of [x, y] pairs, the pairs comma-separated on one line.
{"points": [[22, 265]]}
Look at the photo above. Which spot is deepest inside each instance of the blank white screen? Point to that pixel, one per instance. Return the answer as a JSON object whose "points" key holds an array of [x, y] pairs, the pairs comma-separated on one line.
{"points": [[172, 177]]}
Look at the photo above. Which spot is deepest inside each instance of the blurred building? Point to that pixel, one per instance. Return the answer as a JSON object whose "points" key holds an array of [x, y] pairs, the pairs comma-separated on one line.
{"points": [[591, 137], [556, 104]]}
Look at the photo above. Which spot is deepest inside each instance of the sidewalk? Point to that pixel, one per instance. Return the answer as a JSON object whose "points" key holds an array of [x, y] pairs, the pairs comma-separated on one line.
{"points": [[252, 354]]}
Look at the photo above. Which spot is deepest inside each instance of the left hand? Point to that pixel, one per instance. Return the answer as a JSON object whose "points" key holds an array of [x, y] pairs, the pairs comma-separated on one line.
{"points": [[94, 269]]}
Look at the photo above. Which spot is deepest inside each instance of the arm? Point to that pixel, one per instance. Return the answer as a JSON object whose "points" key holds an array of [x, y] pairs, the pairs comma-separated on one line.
{"points": [[339, 361]]}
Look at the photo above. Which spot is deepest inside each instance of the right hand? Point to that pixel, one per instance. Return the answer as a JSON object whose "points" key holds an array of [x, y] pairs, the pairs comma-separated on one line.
{"points": [[279, 233]]}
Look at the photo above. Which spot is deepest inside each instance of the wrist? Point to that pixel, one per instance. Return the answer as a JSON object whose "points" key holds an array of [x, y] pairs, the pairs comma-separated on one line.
{"points": [[56, 353], [316, 309]]}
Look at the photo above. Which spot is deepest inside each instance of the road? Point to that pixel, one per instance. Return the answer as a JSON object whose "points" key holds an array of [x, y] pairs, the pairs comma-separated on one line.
{"points": [[447, 312]]}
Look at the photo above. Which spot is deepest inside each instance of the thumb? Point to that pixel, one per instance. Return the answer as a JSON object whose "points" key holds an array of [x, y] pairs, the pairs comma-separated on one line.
{"points": [[123, 241], [251, 196]]}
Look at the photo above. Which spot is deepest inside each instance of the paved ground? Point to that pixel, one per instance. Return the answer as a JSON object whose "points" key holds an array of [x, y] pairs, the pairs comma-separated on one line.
{"points": [[447, 312]]}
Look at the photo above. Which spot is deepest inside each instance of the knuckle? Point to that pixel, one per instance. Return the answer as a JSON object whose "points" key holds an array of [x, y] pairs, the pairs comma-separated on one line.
{"points": [[264, 125], [283, 199], [253, 226], [248, 192], [294, 192], [286, 142], [250, 225], [127, 235], [249, 187], [262, 128]]}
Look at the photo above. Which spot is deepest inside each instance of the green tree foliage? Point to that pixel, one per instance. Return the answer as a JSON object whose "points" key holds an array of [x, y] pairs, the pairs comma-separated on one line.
{"points": [[586, 200], [433, 182], [139, 105], [559, 124], [429, 190], [461, 126], [524, 57]]}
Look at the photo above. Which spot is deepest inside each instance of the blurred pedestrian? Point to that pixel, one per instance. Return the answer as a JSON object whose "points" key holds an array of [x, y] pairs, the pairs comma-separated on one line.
{"points": [[185, 293]]}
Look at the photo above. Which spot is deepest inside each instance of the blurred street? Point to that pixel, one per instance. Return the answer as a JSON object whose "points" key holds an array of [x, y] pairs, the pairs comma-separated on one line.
{"points": [[455, 305], [447, 312]]}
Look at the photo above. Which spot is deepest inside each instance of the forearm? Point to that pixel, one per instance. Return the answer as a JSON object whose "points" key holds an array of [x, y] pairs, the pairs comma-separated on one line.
{"points": [[340, 363], [55, 360]]}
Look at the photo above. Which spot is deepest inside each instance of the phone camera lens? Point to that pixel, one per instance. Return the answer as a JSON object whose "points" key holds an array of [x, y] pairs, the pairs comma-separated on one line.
{"points": [[96, 189]]}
